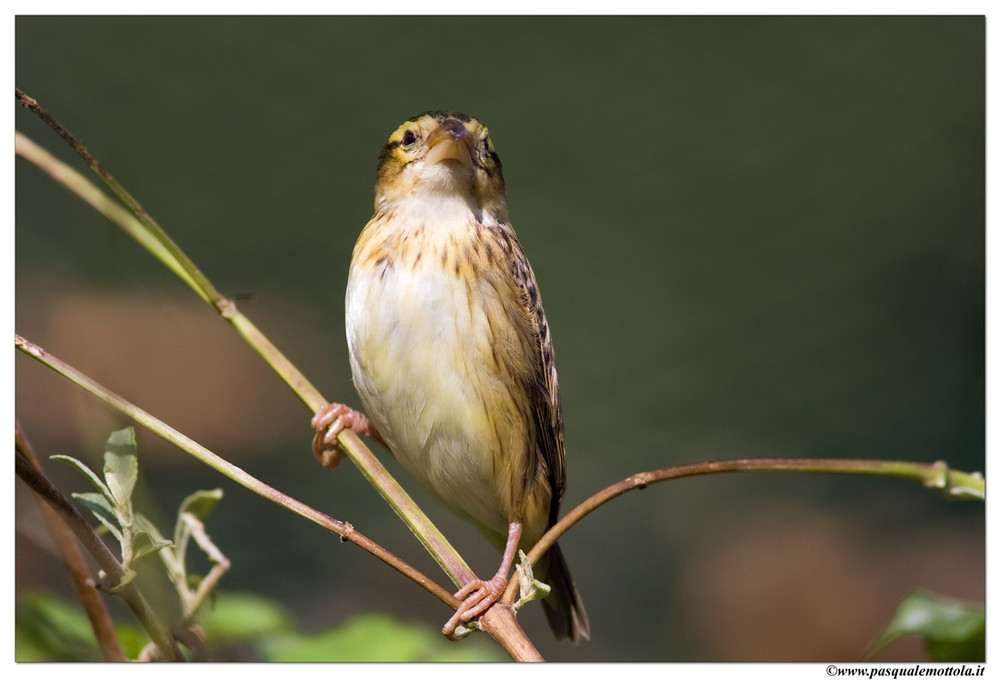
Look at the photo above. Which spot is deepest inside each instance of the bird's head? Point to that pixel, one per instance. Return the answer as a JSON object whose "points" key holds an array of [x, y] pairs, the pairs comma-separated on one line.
{"points": [[441, 153]]}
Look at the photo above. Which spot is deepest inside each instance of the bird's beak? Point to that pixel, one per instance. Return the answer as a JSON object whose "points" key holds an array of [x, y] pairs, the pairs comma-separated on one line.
{"points": [[450, 141]]}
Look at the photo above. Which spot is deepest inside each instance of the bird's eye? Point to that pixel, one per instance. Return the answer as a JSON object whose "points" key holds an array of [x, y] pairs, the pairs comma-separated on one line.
{"points": [[409, 137]]}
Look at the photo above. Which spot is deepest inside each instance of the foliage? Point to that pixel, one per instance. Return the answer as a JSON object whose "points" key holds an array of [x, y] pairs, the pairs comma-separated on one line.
{"points": [[49, 628], [953, 631], [138, 536], [112, 503], [242, 627]]}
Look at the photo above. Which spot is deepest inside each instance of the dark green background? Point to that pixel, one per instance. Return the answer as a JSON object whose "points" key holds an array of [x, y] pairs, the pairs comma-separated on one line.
{"points": [[753, 237]]}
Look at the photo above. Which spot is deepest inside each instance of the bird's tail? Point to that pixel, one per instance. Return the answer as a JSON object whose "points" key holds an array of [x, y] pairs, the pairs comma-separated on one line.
{"points": [[563, 606]]}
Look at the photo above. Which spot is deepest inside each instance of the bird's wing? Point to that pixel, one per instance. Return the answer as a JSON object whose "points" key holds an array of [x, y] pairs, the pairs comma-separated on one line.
{"points": [[549, 455]]}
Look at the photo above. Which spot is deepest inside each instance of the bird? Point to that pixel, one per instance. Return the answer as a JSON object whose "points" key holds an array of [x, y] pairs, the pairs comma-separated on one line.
{"points": [[452, 357]]}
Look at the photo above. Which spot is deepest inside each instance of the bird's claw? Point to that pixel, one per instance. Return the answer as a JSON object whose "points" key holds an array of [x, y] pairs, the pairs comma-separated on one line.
{"points": [[329, 420], [478, 596]]}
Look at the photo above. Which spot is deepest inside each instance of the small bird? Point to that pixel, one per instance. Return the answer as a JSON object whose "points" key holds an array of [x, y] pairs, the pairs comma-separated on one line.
{"points": [[451, 354]]}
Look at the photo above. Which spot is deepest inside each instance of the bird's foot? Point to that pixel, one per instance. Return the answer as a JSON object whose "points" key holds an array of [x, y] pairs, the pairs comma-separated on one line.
{"points": [[478, 596], [328, 422]]}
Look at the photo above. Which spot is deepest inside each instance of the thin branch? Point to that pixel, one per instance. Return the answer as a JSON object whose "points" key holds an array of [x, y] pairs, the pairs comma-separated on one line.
{"points": [[76, 565], [145, 230], [128, 592], [345, 530], [501, 623], [937, 475], [179, 261]]}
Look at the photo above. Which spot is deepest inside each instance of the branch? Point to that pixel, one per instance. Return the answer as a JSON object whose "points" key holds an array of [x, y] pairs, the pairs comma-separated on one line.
{"points": [[76, 566], [148, 233], [128, 592], [345, 530], [937, 475], [140, 226], [500, 626]]}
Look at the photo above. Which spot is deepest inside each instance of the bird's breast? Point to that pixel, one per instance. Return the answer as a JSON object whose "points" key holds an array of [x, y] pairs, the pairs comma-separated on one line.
{"points": [[434, 339]]}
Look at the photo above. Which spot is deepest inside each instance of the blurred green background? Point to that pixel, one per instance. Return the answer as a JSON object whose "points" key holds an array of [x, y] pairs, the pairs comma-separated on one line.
{"points": [[753, 237]]}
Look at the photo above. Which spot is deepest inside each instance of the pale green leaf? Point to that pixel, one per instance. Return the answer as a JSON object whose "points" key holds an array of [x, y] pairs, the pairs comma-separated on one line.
{"points": [[200, 503], [121, 465], [82, 467], [99, 505], [953, 630], [144, 544], [144, 524]]}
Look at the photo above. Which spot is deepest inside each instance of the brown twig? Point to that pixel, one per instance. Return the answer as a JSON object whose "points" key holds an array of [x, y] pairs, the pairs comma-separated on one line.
{"points": [[145, 230], [346, 531], [501, 624], [115, 571], [76, 565], [934, 475]]}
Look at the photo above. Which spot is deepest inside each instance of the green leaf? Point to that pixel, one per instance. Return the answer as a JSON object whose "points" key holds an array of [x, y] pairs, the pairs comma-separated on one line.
{"points": [[200, 503], [101, 507], [143, 524], [953, 630], [530, 588], [121, 465], [144, 544], [239, 616], [125, 581], [50, 628], [82, 467], [376, 638]]}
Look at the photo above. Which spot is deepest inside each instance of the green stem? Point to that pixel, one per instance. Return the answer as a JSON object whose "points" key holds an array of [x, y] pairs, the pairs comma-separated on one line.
{"points": [[155, 238]]}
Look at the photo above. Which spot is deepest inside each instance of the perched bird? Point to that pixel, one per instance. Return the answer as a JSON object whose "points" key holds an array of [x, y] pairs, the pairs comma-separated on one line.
{"points": [[451, 353]]}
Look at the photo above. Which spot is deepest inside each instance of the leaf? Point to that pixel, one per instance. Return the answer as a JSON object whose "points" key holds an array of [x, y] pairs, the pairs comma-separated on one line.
{"points": [[530, 588], [241, 616], [144, 524], [82, 467], [115, 588], [953, 630], [101, 507], [144, 544], [121, 465], [374, 638], [51, 628], [201, 503]]}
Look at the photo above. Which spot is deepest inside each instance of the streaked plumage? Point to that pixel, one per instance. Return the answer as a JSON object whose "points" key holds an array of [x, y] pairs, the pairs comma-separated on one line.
{"points": [[450, 351]]}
